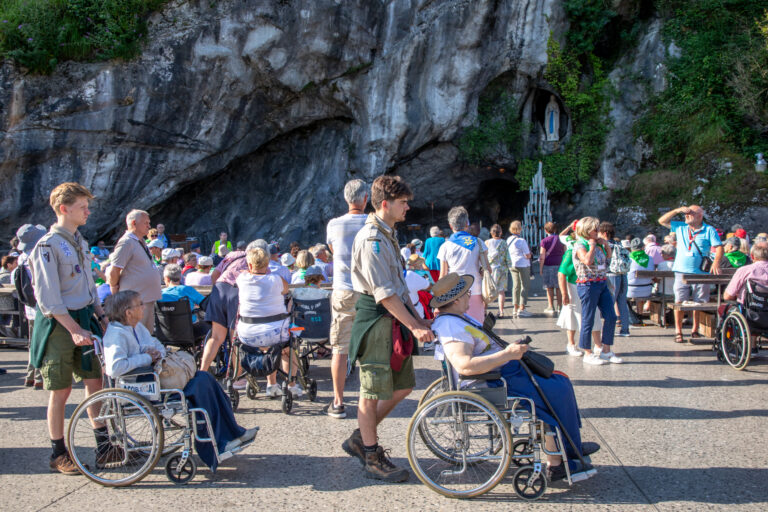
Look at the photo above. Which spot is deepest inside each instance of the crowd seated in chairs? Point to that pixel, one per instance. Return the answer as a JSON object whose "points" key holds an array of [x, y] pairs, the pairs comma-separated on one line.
{"points": [[477, 460], [135, 414]]}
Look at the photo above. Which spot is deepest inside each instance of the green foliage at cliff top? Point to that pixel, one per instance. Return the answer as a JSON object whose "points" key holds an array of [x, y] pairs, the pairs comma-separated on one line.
{"points": [[716, 101], [38, 34]]}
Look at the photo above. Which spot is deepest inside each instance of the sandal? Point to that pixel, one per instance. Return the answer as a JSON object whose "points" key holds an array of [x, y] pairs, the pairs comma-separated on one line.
{"points": [[695, 335], [679, 338]]}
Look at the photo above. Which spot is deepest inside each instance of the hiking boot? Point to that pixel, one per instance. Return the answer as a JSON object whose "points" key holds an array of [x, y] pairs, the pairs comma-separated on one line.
{"points": [[64, 465], [379, 467], [588, 448], [111, 455], [354, 446]]}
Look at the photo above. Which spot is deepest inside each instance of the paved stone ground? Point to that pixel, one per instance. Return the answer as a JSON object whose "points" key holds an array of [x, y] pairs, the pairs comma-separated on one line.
{"points": [[679, 430]]}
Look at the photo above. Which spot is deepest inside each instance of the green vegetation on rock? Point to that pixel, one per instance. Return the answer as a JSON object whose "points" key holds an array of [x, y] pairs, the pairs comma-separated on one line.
{"points": [[714, 109], [38, 34], [497, 130]]}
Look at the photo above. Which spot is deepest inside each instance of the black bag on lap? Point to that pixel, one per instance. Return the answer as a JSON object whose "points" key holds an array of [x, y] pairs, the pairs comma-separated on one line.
{"points": [[258, 363]]}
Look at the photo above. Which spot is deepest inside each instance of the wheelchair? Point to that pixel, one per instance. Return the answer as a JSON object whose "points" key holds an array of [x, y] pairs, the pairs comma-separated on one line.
{"points": [[145, 423], [743, 328], [461, 442], [236, 350], [312, 312]]}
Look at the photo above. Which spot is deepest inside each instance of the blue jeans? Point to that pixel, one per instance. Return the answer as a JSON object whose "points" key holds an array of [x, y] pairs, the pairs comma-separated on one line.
{"points": [[620, 284], [596, 295]]}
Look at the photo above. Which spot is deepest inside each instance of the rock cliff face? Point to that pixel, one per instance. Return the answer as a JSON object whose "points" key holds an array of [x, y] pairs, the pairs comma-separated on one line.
{"points": [[250, 115]]}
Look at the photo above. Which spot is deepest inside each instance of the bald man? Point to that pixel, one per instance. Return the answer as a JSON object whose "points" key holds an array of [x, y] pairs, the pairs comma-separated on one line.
{"points": [[695, 240]]}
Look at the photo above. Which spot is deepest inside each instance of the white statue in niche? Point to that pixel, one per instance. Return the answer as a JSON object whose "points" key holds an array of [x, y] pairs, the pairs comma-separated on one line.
{"points": [[552, 120]]}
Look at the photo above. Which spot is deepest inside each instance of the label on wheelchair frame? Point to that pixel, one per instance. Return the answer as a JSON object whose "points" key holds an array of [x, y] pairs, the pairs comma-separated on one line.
{"points": [[147, 389]]}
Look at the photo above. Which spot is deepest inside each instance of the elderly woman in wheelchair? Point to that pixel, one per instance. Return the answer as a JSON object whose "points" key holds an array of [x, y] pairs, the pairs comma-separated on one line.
{"points": [[143, 421], [485, 405]]}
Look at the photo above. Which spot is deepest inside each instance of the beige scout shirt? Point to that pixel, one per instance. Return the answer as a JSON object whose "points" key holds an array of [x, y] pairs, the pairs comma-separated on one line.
{"points": [[61, 282], [139, 271], [377, 267]]}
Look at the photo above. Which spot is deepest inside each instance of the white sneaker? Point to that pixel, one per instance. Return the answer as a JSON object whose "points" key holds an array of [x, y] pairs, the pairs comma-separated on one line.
{"points": [[514, 313], [274, 391], [611, 357], [548, 311], [524, 313], [296, 390], [594, 359], [240, 384], [573, 350]]}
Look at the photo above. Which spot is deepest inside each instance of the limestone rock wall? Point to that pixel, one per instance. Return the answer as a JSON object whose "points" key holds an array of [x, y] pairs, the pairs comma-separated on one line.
{"points": [[249, 115]]}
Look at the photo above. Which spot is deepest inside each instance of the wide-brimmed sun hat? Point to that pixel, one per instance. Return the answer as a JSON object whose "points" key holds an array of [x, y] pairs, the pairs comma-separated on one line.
{"points": [[450, 288]]}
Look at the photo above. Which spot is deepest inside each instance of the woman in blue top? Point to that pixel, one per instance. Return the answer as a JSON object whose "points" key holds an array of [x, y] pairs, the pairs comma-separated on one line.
{"points": [[431, 247]]}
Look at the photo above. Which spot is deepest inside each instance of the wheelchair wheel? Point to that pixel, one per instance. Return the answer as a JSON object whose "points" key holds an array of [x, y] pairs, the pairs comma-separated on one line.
{"points": [[522, 454], [526, 487], [135, 435], [458, 444], [438, 386], [312, 390], [180, 475], [252, 389], [234, 399], [287, 404], [735, 340]]}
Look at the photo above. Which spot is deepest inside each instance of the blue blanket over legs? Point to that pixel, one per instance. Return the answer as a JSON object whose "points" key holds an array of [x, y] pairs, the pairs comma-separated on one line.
{"points": [[204, 392], [560, 393]]}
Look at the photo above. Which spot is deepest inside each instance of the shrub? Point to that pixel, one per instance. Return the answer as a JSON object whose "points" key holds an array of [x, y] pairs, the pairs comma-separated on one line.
{"points": [[38, 34]]}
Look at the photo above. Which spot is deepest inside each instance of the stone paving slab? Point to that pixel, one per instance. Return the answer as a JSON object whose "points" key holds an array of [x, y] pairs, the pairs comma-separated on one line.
{"points": [[679, 430]]}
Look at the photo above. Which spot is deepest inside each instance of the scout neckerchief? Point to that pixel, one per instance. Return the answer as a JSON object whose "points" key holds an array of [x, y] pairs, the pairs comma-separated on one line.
{"points": [[73, 240], [463, 239], [737, 259], [640, 257], [692, 238]]}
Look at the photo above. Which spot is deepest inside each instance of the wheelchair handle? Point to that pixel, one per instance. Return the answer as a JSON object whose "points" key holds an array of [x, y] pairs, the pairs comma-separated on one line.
{"points": [[524, 341]]}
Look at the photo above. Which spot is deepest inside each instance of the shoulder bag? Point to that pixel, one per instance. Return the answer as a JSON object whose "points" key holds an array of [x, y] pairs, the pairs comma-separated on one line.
{"points": [[706, 262], [490, 291], [175, 369]]}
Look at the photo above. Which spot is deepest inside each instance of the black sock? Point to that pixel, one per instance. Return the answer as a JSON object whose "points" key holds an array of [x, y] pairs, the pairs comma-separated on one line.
{"points": [[102, 438], [58, 447], [371, 449]]}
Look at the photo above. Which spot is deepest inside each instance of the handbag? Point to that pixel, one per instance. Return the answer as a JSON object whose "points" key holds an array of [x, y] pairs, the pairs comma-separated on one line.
{"points": [[490, 291], [175, 369], [539, 364], [706, 263]]}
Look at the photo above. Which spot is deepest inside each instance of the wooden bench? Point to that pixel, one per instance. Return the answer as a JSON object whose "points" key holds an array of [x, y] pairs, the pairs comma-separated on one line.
{"points": [[658, 313]]}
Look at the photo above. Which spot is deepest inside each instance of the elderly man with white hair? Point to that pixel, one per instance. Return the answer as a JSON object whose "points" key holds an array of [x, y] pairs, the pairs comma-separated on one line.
{"points": [[695, 240], [461, 254], [340, 234], [133, 267]]}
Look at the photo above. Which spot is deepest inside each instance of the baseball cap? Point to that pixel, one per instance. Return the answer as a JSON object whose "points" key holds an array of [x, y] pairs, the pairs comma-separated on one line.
{"points": [[157, 243], [287, 260], [204, 261], [314, 270]]}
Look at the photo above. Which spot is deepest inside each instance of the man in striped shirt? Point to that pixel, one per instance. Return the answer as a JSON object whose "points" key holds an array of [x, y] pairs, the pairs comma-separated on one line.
{"points": [[341, 233]]}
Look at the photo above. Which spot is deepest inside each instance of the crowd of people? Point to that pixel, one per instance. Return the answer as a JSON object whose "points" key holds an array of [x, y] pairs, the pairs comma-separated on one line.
{"points": [[428, 291]]}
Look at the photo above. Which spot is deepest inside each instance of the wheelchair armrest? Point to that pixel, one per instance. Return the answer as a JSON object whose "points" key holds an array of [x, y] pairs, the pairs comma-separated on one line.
{"points": [[482, 376], [141, 370]]}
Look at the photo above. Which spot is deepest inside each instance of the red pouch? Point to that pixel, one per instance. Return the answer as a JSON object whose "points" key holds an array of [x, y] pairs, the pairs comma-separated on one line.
{"points": [[402, 346]]}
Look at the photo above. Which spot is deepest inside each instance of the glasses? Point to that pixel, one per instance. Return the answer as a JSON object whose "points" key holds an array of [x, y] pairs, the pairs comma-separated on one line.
{"points": [[152, 236]]}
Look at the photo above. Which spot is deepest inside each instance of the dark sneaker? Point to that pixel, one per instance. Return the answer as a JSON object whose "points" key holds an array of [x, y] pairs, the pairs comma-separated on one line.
{"points": [[64, 465], [379, 467], [336, 411], [556, 473], [354, 446], [112, 455], [588, 448]]}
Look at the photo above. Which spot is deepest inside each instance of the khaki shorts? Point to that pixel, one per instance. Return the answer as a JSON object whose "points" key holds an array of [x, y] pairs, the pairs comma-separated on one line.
{"points": [[377, 379], [62, 360], [342, 317]]}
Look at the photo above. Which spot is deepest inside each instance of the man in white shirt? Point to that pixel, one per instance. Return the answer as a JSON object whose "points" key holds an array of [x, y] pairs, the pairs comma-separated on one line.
{"points": [[341, 233]]}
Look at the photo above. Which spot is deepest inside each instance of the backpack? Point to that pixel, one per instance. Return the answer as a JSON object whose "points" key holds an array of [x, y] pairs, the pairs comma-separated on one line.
{"points": [[23, 284], [619, 260]]}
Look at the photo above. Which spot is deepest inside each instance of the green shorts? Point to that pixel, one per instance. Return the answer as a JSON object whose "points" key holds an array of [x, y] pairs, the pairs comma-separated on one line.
{"points": [[377, 379], [63, 359]]}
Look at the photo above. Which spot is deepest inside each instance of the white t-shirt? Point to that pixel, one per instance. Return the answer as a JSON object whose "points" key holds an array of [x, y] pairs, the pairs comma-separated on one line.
{"points": [[450, 329], [518, 248], [340, 234], [415, 283], [260, 295], [463, 261]]}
